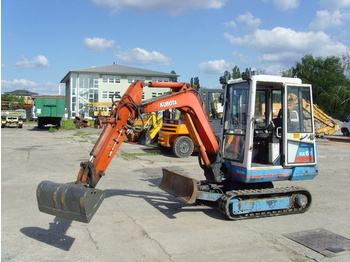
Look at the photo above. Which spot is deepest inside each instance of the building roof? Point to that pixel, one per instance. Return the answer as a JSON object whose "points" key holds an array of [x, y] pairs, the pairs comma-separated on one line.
{"points": [[21, 92], [116, 69]]}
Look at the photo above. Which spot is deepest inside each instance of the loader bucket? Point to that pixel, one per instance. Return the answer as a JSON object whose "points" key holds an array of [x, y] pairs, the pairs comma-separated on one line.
{"points": [[70, 201], [182, 187]]}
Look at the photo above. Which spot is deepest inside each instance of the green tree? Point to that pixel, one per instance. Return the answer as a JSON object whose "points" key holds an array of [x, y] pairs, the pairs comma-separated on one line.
{"points": [[195, 82], [288, 73], [227, 75], [236, 73], [331, 88], [13, 100], [174, 79]]}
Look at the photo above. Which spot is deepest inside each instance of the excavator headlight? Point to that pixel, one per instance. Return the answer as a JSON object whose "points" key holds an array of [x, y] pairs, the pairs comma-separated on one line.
{"points": [[223, 80]]}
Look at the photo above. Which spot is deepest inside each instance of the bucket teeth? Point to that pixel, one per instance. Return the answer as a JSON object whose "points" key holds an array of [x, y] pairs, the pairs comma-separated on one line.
{"points": [[182, 187], [70, 201]]}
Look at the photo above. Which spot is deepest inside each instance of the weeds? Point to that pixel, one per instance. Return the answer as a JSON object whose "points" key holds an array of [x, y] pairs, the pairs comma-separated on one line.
{"points": [[86, 136], [68, 124], [134, 155], [53, 129]]}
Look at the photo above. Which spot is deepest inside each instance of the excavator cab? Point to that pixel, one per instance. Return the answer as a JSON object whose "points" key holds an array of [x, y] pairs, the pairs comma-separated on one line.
{"points": [[268, 132]]}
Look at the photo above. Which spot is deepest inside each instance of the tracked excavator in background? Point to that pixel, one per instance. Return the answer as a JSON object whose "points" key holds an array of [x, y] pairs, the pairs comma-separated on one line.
{"points": [[256, 147]]}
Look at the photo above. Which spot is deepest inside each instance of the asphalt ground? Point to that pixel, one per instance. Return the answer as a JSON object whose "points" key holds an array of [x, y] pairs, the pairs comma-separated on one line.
{"points": [[138, 221]]}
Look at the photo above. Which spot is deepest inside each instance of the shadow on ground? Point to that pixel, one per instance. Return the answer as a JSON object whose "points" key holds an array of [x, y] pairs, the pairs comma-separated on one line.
{"points": [[54, 236]]}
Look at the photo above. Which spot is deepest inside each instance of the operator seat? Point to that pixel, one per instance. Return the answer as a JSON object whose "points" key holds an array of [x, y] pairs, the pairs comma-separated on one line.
{"points": [[278, 120]]}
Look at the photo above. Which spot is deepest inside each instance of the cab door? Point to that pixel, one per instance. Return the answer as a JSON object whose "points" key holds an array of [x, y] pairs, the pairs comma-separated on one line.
{"points": [[213, 108], [298, 134]]}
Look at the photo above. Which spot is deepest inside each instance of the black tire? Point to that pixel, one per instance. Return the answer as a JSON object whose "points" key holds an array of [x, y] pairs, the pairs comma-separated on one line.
{"points": [[40, 123], [20, 125], [182, 147], [58, 123], [346, 132]]}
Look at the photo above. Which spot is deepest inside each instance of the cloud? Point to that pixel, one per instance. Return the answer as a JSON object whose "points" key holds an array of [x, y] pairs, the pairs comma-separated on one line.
{"points": [[325, 19], [249, 19], [230, 24], [215, 67], [273, 69], [335, 4], [139, 56], [167, 6], [38, 62], [283, 44], [97, 44], [45, 88], [242, 58], [18, 83], [285, 4]]}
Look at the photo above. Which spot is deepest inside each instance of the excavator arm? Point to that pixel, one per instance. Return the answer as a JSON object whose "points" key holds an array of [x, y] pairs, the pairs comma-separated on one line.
{"points": [[80, 200], [130, 108]]}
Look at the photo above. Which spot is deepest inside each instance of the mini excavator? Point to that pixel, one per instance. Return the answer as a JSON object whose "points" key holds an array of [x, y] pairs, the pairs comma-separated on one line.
{"points": [[260, 143]]}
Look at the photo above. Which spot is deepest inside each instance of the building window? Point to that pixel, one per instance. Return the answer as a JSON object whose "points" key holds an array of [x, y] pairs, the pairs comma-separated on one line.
{"points": [[114, 95], [109, 79], [132, 79], [160, 79], [104, 94], [91, 97], [110, 94], [156, 94]]}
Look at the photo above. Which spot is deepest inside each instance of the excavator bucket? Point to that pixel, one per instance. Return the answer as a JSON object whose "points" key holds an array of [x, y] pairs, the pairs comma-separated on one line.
{"points": [[182, 187], [70, 201], [145, 138]]}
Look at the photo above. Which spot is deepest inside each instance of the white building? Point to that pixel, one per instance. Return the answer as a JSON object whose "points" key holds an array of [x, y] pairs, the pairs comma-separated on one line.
{"points": [[98, 84]]}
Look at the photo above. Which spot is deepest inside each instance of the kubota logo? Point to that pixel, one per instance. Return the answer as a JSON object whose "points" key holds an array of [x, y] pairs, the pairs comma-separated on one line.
{"points": [[168, 103]]}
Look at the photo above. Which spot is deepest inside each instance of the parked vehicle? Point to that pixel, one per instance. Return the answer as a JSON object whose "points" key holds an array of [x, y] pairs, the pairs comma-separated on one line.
{"points": [[174, 134], [345, 129], [22, 114], [49, 110], [11, 118]]}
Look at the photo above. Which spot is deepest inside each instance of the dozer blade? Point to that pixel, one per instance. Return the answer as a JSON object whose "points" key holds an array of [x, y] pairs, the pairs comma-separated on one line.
{"points": [[70, 201], [182, 187]]}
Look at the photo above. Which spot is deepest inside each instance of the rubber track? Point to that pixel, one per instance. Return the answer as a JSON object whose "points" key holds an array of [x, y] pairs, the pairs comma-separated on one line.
{"points": [[224, 202]]}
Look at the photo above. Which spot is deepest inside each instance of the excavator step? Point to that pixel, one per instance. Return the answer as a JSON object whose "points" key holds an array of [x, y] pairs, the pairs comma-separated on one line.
{"points": [[180, 186], [70, 201]]}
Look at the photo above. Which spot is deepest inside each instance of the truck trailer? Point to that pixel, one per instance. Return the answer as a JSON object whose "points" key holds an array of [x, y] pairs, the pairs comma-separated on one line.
{"points": [[49, 110]]}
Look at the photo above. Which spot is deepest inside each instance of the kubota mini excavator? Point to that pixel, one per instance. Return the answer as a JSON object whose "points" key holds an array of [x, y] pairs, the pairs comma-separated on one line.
{"points": [[253, 150]]}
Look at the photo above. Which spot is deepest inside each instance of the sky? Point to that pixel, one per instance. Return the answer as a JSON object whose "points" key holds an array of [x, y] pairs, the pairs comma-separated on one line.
{"points": [[42, 40]]}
